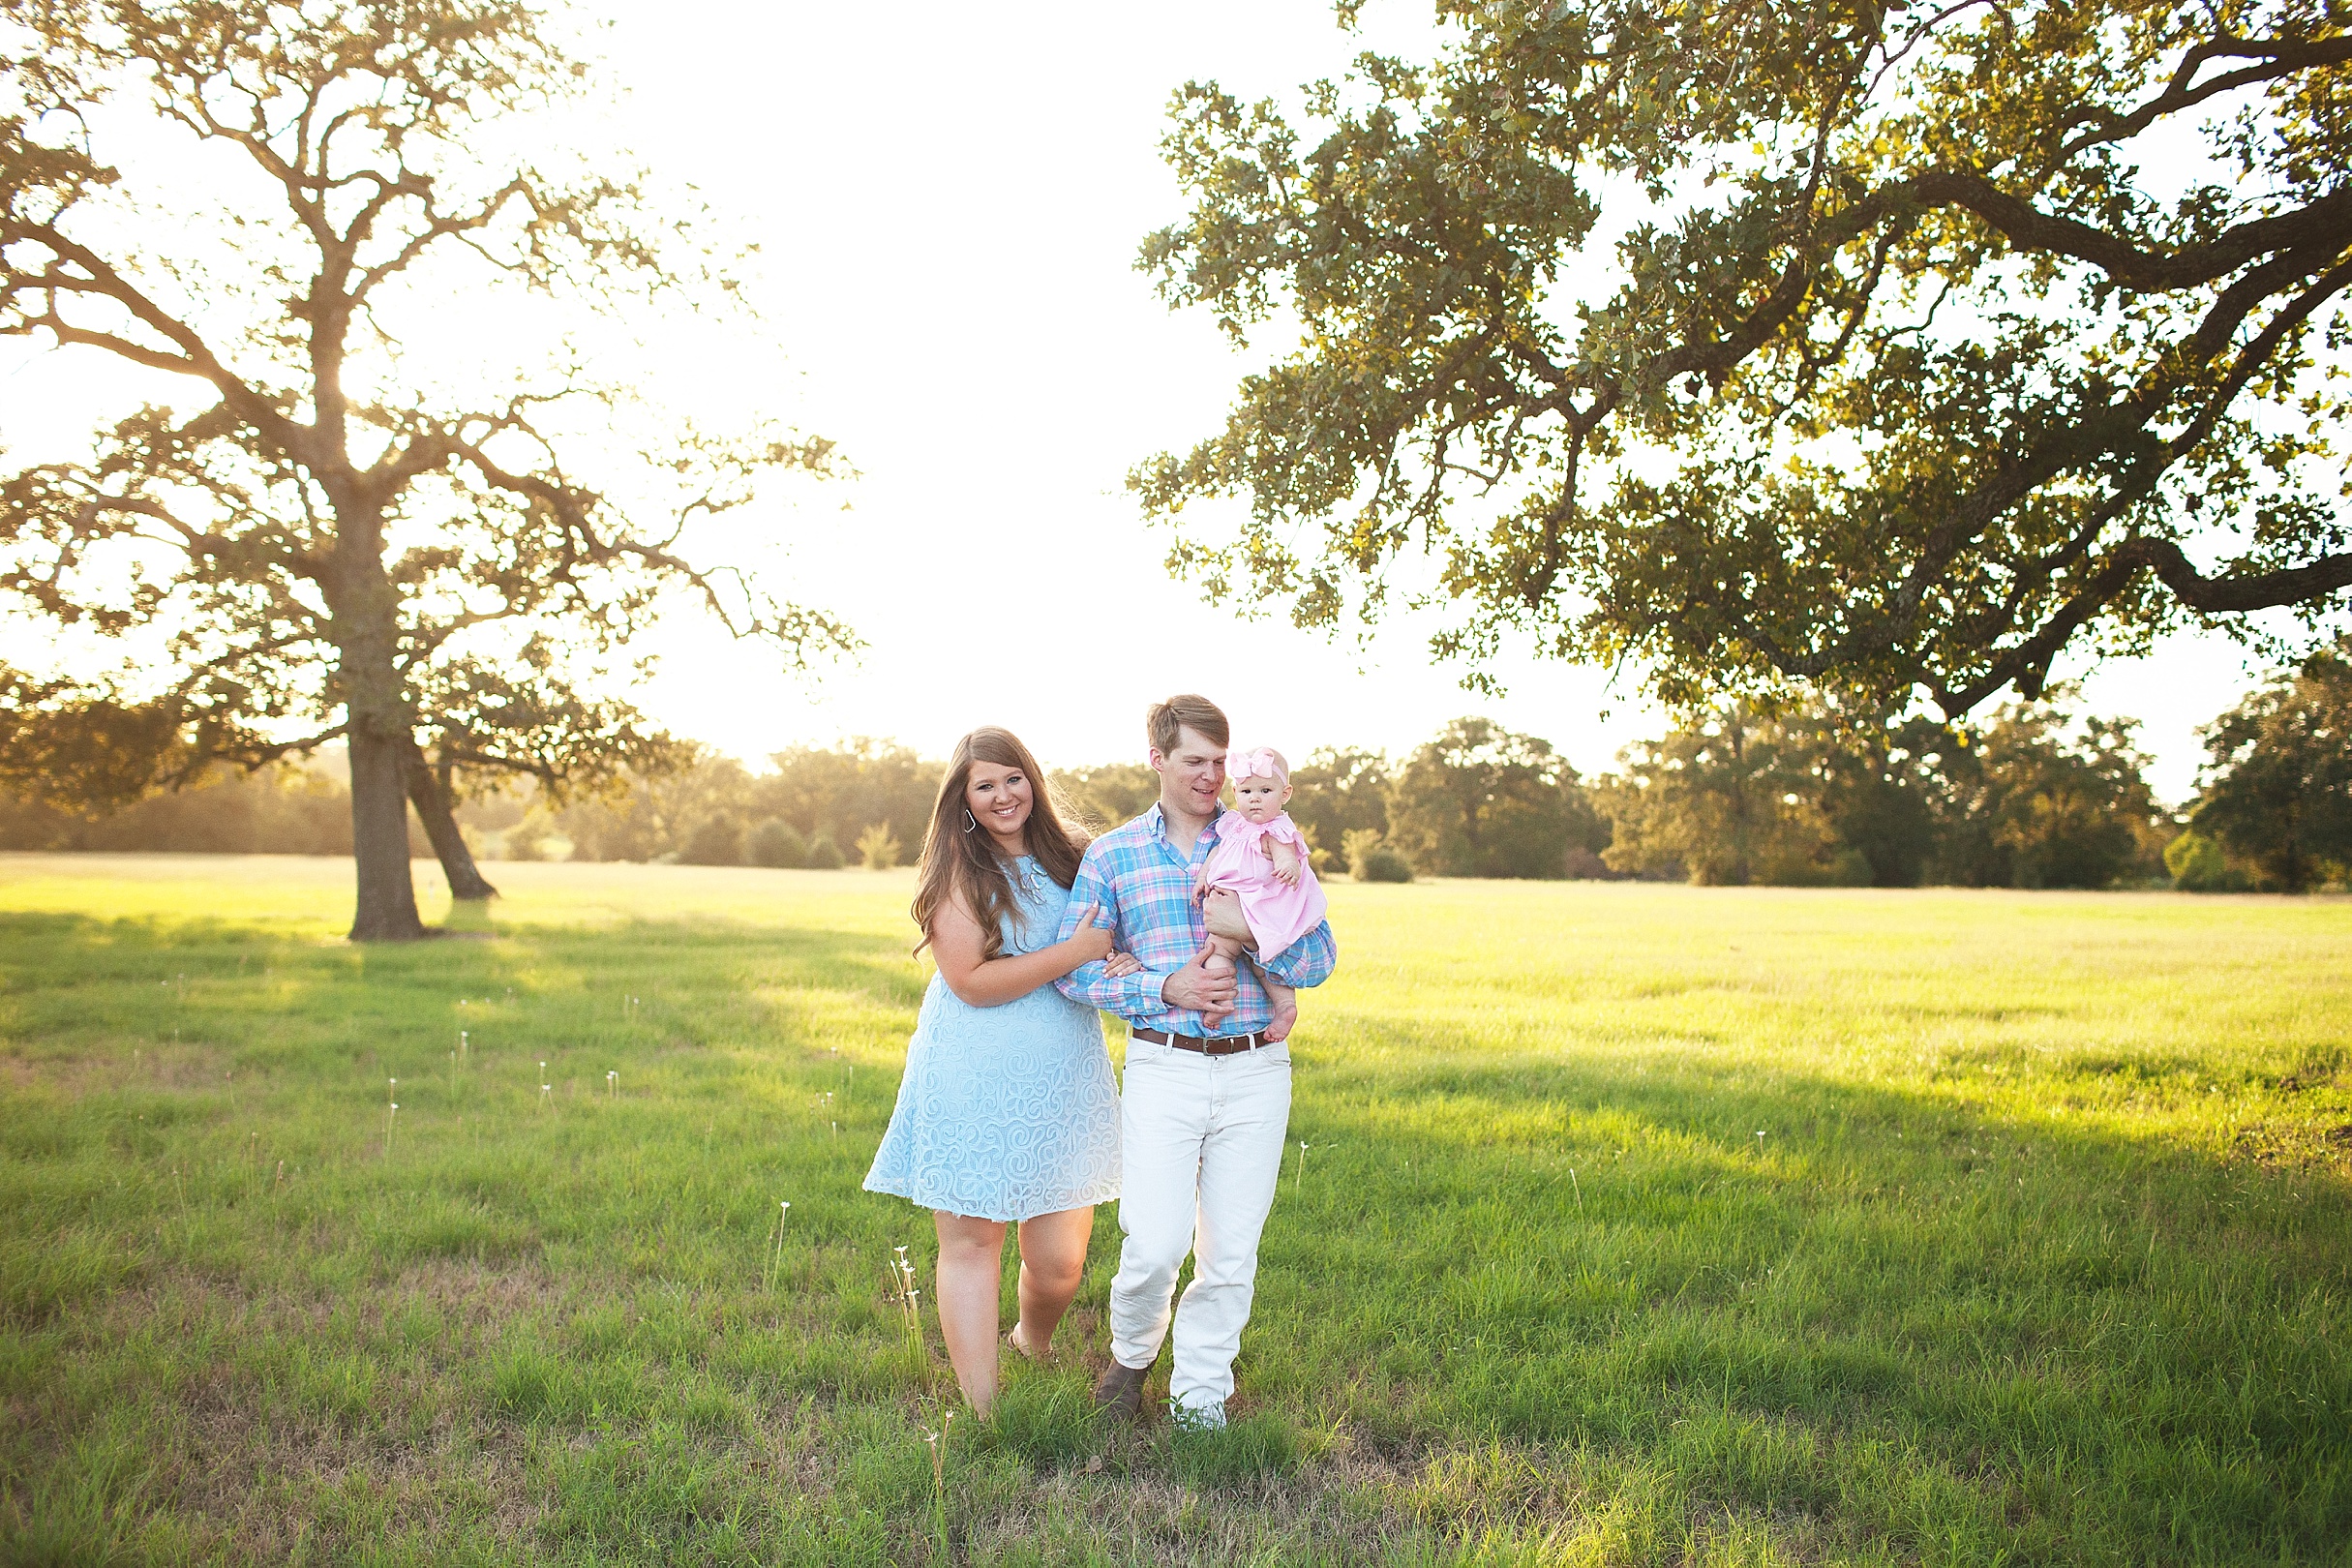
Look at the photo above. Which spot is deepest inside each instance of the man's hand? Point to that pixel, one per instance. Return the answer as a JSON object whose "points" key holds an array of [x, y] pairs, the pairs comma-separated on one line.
{"points": [[1195, 989], [1221, 913]]}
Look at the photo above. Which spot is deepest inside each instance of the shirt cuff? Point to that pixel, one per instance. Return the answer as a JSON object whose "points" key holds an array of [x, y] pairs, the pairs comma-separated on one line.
{"points": [[1306, 962], [1147, 995]]}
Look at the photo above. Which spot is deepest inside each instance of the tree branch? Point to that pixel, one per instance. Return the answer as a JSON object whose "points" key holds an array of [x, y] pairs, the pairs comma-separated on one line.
{"points": [[2212, 596], [2280, 57], [243, 399], [2143, 477], [2326, 221]]}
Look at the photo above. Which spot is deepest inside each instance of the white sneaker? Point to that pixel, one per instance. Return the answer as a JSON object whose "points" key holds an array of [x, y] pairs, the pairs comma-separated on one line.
{"points": [[1209, 1417]]}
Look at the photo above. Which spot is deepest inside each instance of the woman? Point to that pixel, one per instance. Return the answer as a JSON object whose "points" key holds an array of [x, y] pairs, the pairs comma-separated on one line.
{"points": [[1007, 1112]]}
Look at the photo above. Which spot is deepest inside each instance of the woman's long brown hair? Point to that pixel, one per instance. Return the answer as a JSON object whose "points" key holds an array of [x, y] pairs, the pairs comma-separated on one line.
{"points": [[962, 860]]}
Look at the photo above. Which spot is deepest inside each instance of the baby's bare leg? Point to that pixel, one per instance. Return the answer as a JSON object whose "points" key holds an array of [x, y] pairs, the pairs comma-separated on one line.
{"points": [[1285, 999], [1218, 957]]}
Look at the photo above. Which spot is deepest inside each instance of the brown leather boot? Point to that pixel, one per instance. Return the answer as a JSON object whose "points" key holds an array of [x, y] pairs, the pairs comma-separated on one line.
{"points": [[1121, 1391]]}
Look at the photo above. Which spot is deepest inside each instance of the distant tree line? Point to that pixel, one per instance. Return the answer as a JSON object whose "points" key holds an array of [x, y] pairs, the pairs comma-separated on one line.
{"points": [[1814, 797], [283, 808], [1807, 796], [865, 800], [2277, 807]]}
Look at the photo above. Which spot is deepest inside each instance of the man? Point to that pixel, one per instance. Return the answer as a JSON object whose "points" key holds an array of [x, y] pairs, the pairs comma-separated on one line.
{"points": [[1202, 1118]]}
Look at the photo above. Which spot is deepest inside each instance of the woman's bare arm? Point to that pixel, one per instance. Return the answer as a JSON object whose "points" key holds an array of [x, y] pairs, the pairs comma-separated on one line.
{"points": [[956, 941]]}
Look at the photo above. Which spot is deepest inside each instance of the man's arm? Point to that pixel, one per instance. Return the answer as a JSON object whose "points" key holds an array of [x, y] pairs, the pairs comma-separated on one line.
{"points": [[1308, 961], [1127, 995]]}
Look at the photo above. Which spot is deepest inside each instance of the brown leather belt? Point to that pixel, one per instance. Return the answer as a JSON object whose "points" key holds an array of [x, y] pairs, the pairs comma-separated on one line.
{"points": [[1223, 1045]]}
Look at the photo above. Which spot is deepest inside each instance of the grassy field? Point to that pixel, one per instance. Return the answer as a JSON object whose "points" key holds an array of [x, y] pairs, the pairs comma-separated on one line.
{"points": [[1633, 1224]]}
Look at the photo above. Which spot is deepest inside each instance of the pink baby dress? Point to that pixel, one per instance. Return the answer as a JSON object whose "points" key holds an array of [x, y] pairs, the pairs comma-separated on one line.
{"points": [[1278, 913]]}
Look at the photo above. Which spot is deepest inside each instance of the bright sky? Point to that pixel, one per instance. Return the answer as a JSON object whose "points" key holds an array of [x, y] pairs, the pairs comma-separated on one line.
{"points": [[948, 200]]}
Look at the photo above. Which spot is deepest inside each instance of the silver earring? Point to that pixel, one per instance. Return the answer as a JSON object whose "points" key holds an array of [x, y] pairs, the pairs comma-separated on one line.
{"points": [[970, 821]]}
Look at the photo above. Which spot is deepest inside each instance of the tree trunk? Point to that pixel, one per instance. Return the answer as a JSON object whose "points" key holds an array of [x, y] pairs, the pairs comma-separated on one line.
{"points": [[432, 803], [380, 728], [379, 836], [1743, 826]]}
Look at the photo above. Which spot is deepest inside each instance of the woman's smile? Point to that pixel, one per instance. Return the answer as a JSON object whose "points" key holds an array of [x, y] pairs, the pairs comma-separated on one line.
{"points": [[999, 797]]}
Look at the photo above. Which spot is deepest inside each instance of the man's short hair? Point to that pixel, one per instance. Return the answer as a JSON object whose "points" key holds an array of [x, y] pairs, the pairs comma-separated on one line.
{"points": [[1162, 721]]}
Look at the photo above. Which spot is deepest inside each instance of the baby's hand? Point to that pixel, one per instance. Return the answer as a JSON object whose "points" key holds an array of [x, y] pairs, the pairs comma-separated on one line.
{"points": [[1285, 860]]}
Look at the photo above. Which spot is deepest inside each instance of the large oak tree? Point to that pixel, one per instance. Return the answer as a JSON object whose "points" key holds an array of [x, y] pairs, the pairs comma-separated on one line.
{"points": [[290, 208], [1887, 350]]}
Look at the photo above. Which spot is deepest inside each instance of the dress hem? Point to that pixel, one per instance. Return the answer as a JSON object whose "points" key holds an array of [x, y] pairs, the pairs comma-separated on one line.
{"points": [[1081, 1202]]}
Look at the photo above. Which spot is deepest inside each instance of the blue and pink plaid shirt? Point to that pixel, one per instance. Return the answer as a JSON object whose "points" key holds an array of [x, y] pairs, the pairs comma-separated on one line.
{"points": [[1144, 884]]}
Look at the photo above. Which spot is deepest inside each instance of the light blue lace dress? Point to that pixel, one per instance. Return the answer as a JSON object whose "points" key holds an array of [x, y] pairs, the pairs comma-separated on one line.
{"points": [[1006, 1112]]}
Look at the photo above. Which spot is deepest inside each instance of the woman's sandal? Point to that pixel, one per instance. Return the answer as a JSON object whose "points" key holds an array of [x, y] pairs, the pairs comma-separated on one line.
{"points": [[1019, 1346]]}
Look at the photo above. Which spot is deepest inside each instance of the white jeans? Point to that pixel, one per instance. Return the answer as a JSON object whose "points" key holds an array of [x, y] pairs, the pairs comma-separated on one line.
{"points": [[1201, 1146]]}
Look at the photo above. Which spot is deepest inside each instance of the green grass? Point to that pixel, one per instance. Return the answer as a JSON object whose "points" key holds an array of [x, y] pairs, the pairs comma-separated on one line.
{"points": [[1637, 1224]]}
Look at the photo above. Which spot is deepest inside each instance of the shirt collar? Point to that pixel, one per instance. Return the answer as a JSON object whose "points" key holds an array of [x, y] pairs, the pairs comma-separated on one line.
{"points": [[1158, 821]]}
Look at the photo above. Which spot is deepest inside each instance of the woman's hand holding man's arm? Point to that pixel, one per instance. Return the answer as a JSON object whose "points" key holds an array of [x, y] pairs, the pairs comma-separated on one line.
{"points": [[1096, 939], [987, 982], [1119, 984]]}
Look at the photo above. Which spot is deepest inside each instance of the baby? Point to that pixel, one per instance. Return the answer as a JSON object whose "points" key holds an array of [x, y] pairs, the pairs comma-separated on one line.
{"points": [[1260, 860]]}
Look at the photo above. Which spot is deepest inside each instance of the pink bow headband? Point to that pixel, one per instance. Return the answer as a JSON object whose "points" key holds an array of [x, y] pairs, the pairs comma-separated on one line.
{"points": [[1259, 761]]}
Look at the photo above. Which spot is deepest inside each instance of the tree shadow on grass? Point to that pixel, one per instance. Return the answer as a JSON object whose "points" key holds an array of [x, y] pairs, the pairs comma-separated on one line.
{"points": [[1896, 1304]]}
